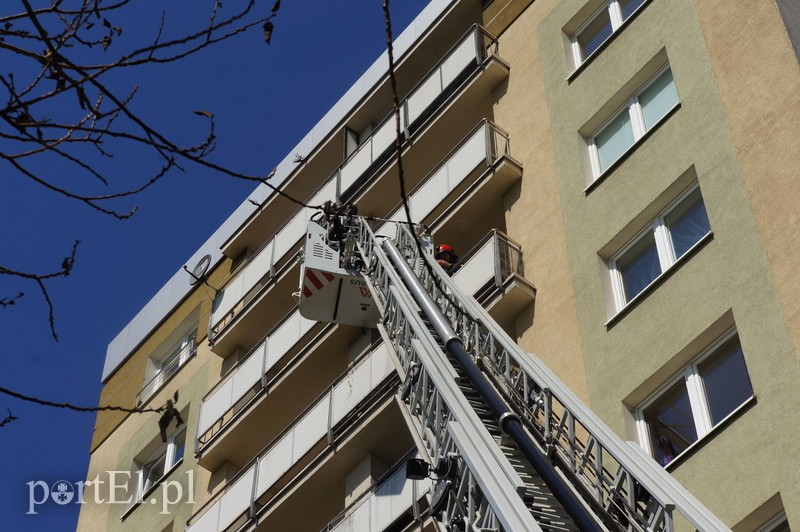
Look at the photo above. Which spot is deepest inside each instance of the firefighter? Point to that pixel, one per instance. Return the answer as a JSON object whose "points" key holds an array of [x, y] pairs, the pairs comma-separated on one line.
{"points": [[446, 257]]}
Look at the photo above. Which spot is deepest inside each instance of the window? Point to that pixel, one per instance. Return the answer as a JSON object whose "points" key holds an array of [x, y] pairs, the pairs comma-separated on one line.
{"points": [[161, 369], [640, 114], [151, 470], [709, 390], [776, 524], [600, 26], [668, 238]]}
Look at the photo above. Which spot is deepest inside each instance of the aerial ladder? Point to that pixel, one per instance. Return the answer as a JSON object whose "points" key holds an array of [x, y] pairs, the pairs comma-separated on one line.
{"points": [[512, 447]]}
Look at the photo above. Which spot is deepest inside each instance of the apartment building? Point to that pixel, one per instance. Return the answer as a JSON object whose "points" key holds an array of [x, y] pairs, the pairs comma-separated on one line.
{"points": [[619, 178]]}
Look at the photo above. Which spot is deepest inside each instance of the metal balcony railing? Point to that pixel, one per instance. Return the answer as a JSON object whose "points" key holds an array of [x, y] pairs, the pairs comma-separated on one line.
{"points": [[488, 265], [464, 59], [176, 357], [248, 378], [495, 256], [320, 422], [482, 147]]}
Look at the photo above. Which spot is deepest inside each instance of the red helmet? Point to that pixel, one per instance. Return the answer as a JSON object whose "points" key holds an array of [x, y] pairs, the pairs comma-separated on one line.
{"points": [[444, 248]]}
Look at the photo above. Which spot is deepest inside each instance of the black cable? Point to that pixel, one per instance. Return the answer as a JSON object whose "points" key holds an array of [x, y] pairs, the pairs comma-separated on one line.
{"points": [[76, 408]]}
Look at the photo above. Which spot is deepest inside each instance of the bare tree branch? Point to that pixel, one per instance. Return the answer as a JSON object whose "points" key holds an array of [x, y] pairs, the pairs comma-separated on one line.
{"points": [[8, 419]]}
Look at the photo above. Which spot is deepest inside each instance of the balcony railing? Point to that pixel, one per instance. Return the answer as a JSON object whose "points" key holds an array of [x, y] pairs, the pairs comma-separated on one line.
{"points": [[318, 423], [463, 59], [481, 148], [248, 377], [494, 258], [489, 264], [379, 507], [177, 357]]}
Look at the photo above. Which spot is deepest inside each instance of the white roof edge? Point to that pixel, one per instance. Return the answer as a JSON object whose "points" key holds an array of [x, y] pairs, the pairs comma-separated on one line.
{"points": [[177, 288]]}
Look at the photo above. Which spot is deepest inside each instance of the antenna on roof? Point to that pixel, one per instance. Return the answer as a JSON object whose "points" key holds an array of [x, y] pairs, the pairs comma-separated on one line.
{"points": [[199, 273]]}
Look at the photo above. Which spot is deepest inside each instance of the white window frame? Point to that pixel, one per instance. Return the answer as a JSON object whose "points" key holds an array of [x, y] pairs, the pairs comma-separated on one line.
{"points": [[185, 348], [634, 110], [698, 400], [167, 450], [664, 247], [777, 521], [612, 7], [182, 350]]}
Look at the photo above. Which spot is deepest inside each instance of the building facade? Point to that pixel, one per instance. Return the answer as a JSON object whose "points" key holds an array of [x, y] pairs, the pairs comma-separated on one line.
{"points": [[620, 180]]}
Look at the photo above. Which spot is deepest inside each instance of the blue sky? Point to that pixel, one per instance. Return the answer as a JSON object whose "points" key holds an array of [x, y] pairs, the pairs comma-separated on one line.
{"points": [[265, 98]]}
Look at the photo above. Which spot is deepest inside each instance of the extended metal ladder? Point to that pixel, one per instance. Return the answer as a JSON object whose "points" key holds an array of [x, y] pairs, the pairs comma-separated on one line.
{"points": [[492, 486]]}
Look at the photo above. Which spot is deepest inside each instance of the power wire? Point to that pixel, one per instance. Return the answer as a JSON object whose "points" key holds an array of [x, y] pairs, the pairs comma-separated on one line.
{"points": [[399, 155]]}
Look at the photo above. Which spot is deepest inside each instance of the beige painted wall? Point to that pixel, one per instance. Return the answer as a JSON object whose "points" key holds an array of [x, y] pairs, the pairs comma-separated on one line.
{"points": [[122, 387], [133, 435], [533, 216]]}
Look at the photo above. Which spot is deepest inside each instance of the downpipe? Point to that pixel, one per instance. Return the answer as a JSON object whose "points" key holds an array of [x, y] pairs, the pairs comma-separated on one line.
{"points": [[508, 420]]}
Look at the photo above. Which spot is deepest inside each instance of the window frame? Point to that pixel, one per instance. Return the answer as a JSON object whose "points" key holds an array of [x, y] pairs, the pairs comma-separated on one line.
{"points": [[636, 116], [167, 451], [696, 391], [180, 352], [618, 23], [665, 248], [774, 523]]}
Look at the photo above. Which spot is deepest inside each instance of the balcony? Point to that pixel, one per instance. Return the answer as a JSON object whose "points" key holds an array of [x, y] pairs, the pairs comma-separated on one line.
{"points": [[271, 387], [477, 172], [493, 272], [326, 421], [481, 160], [379, 508], [471, 68]]}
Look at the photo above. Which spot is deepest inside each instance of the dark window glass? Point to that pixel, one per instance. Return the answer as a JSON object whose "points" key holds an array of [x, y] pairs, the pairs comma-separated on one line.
{"points": [[639, 266], [688, 223], [628, 7], [726, 380], [671, 423], [593, 35]]}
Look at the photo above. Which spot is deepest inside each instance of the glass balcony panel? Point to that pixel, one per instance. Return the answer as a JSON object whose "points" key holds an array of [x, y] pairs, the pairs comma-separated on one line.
{"points": [[276, 462], [230, 504], [460, 58], [465, 54], [248, 373], [444, 179], [306, 432], [208, 522], [358, 163], [378, 509], [429, 195], [426, 92], [478, 269], [215, 406], [450, 69], [470, 155]]}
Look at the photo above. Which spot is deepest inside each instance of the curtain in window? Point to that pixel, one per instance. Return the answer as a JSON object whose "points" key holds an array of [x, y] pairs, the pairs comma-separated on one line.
{"points": [[688, 228], [614, 139], [657, 99], [671, 424], [726, 382], [639, 268], [595, 34]]}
